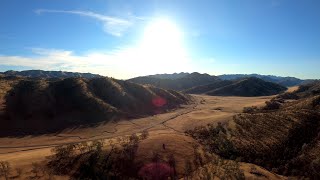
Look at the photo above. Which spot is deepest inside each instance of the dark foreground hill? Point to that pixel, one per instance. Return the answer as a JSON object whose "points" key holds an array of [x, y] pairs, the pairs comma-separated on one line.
{"points": [[243, 87], [282, 136], [48, 74], [40, 106], [176, 81]]}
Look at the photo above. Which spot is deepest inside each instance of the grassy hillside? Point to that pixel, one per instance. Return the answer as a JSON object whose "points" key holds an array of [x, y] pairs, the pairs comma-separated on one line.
{"points": [[40, 105], [248, 87], [243, 87], [208, 87], [178, 83], [284, 81], [283, 138]]}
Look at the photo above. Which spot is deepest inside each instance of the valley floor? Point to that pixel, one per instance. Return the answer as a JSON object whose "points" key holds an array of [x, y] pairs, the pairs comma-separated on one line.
{"points": [[167, 128]]}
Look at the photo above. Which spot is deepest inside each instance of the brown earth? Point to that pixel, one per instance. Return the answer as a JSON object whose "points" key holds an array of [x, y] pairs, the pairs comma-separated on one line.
{"points": [[167, 128]]}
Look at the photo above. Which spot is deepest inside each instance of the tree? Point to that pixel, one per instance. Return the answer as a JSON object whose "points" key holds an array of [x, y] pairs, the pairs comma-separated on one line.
{"points": [[19, 172], [97, 145], [5, 169], [64, 152], [144, 134], [36, 169], [187, 168], [82, 147], [172, 163]]}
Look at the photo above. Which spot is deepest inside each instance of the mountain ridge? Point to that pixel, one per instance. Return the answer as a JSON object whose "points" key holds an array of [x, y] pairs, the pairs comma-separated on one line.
{"points": [[48, 74], [41, 106]]}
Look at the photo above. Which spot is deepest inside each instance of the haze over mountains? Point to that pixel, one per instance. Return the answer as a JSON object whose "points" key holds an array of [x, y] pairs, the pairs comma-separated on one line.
{"points": [[196, 83], [281, 136], [284, 81]]}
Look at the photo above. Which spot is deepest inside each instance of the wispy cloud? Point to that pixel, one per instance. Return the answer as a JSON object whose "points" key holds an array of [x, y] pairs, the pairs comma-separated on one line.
{"points": [[115, 26], [121, 63]]}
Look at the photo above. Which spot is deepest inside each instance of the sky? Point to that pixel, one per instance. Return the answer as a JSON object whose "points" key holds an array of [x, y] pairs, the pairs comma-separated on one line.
{"points": [[129, 38]]}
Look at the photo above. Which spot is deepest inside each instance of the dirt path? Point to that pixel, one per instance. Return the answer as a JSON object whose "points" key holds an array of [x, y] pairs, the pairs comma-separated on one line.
{"points": [[206, 109]]}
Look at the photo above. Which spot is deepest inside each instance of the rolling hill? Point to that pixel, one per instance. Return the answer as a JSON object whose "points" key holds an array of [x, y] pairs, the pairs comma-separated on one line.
{"points": [[178, 82], [39, 106], [243, 87], [284, 81], [283, 139], [248, 87], [203, 89]]}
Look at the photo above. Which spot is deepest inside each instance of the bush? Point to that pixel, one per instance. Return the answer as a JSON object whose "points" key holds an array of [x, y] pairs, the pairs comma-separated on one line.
{"points": [[272, 105], [64, 151], [251, 109], [144, 134], [5, 169]]}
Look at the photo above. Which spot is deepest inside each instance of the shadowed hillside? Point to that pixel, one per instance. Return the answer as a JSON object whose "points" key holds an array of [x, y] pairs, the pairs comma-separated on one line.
{"points": [[179, 82], [203, 89], [284, 81], [38, 106], [283, 136], [243, 87], [248, 87]]}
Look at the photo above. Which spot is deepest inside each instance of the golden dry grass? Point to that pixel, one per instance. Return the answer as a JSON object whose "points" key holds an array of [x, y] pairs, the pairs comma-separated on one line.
{"points": [[165, 128]]}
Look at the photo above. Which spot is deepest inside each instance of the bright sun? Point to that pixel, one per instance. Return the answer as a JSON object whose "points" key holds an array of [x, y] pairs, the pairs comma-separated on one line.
{"points": [[161, 46], [161, 34]]}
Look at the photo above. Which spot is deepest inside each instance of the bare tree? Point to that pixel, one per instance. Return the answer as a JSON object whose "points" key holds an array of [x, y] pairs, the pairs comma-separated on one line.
{"points": [[187, 169], [19, 172], [36, 169], [144, 134], [5, 169]]}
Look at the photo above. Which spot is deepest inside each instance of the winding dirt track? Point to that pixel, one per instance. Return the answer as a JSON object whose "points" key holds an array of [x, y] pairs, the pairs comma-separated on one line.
{"points": [[205, 109]]}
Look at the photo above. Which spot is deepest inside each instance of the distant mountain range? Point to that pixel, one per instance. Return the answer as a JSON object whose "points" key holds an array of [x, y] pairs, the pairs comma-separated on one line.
{"points": [[284, 81], [176, 78], [48, 74], [225, 85], [193, 83], [177, 81]]}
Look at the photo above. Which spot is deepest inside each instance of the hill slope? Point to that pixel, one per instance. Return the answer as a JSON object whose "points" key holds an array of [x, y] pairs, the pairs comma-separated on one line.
{"points": [[243, 87], [284, 81], [284, 139], [248, 87], [37, 106], [182, 82], [203, 89]]}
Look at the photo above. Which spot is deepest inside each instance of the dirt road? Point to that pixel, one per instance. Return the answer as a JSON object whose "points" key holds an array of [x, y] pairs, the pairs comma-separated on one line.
{"points": [[206, 109]]}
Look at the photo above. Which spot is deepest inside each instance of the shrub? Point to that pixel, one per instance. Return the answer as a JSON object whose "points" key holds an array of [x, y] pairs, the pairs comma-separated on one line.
{"points": [[251, 109], [272, 105], [144, 134], [36, 169], [5, 169], [64, 151], [19, 172]]}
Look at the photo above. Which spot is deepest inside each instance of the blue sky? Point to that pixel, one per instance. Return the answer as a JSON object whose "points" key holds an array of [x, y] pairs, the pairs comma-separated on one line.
{"points": [[124, 39]]}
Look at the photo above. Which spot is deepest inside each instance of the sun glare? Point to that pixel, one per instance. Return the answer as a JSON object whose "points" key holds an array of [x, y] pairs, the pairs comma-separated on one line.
{"points": [[161, 34], [162, 44]]}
